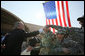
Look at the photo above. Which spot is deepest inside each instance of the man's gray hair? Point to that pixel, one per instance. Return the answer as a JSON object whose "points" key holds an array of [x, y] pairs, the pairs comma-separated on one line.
{"points": [[16, 24]]}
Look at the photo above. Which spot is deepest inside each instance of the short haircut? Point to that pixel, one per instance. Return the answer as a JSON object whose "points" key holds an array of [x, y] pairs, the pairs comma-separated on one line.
{"points": [[16, 24]]}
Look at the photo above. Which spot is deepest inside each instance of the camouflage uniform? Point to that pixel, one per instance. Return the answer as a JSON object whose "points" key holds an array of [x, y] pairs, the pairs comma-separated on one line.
{"points": [[74, 40], [58, 47], [47, 43], [78, 37]]}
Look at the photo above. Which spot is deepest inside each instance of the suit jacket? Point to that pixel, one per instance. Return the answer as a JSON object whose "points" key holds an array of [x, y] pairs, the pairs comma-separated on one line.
{"points": [[14, 41]]}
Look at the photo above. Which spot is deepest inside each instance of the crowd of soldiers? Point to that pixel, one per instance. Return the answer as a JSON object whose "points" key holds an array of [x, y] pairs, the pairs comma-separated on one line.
{"points": [[66, 41]]}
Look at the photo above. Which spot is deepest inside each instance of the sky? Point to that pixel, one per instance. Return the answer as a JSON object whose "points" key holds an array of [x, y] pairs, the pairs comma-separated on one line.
{"points": [[33, 11]]}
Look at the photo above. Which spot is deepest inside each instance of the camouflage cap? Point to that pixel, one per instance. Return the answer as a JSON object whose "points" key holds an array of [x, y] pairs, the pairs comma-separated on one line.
{"points": [[61, 31]]}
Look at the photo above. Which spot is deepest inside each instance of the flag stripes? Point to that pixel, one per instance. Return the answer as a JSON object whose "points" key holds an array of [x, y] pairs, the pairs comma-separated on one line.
{"points": [[62, 15]]}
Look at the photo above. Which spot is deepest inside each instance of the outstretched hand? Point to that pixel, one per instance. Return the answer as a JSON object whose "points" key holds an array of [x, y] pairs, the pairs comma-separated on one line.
{"points": [[44, 29]]}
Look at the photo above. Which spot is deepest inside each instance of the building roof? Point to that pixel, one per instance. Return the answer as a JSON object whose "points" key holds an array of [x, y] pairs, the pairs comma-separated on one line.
{"points": [[8, 19], [33, 27]]}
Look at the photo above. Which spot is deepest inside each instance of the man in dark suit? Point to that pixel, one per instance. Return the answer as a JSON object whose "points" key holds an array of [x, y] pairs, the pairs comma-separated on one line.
{"points": [[15, 38]]}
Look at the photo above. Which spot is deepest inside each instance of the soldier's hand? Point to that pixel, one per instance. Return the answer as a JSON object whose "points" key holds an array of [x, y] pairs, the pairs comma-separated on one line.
{"points": [[29, 48], [66, 50]]}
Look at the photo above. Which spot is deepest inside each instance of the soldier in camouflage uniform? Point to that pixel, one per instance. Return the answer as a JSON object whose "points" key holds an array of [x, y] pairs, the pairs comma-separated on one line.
{"points": [[74, 40], [78, 34], [59, 49], [47, 42]]}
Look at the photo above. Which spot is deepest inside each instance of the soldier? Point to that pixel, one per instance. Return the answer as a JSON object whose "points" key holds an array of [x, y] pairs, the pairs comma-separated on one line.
{"points": [[61, 34], [47, 42], [78, 35]]}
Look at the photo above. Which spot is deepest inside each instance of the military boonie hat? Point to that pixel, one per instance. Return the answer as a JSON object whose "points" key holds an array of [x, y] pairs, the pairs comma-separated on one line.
{"points": [[80, 18], [61, 31]]}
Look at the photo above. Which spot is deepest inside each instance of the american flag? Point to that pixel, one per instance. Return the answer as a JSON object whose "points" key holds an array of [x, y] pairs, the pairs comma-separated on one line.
{"points": [[57, 13]]}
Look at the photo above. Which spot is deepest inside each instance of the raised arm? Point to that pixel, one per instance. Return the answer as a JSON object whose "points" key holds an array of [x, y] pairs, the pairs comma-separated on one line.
{"points": [[31, 34], [54, 26]]}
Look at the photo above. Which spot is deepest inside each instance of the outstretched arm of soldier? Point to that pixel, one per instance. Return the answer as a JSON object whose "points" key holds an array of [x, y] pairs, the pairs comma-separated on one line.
{"points": [[68, 29], [54, 26]]}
